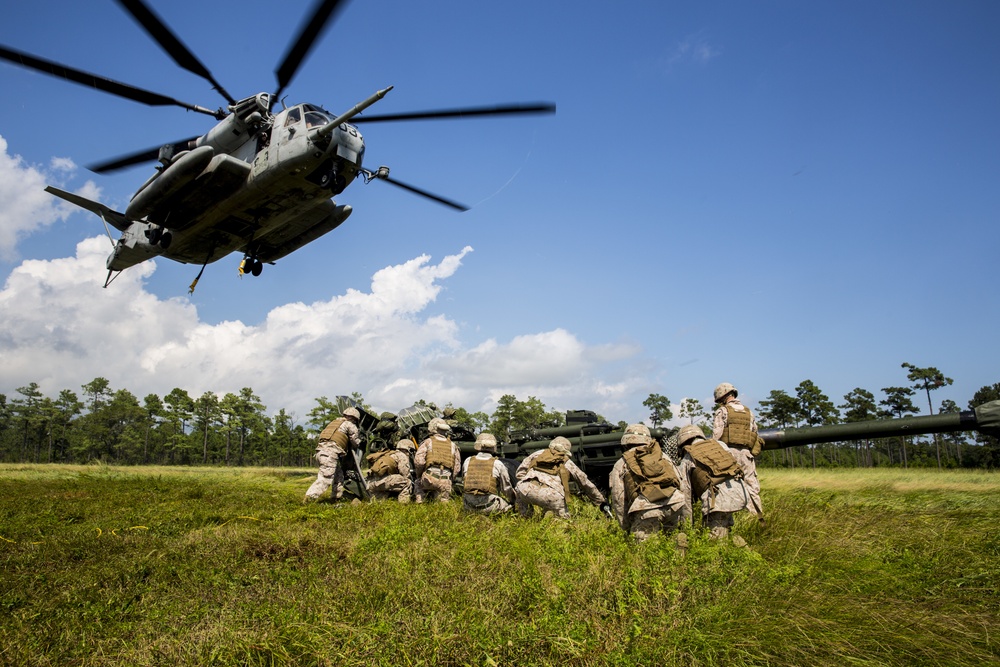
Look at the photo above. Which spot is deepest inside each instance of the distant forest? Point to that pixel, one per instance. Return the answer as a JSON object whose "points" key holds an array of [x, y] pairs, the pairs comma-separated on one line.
{"points": [[114, 426]]}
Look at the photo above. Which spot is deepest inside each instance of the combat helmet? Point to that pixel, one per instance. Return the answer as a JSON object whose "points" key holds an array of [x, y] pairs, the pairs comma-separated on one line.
{"points": [[687, 434], [353, 414], [723, 390], [486, 442], [635, 435], [405, 445], [438, 425], [560, 445]]}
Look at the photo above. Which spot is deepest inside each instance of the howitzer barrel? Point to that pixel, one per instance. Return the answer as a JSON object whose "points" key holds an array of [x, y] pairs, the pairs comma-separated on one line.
{"points": [[985, 419], [568, 431], [607, 438]]}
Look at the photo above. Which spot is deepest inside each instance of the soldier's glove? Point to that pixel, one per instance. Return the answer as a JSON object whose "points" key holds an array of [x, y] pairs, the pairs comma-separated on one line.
{"points": [[606, 510]]}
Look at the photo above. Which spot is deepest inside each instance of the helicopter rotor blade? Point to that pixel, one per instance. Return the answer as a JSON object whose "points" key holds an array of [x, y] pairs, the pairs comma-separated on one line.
{"points": [[170, 43], [139, 157], [99, 82], [424, 193], [324, 10], [469, 112]]}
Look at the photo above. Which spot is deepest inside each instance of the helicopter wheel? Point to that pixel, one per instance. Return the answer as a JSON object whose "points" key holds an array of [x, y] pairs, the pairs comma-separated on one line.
{"points": [[154, 235], [165, 239], [256, 267]]}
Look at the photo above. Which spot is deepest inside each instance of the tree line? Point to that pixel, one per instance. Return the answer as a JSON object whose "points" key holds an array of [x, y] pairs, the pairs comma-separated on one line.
{"points": [[114, 426]]}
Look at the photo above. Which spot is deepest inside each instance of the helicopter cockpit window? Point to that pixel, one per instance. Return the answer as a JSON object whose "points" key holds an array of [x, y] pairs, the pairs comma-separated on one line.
{"points": [[316, 118], [293, 117]]}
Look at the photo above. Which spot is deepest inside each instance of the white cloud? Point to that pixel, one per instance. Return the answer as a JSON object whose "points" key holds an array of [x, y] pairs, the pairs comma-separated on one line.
{"points": [[26, 206], [62, 329], [692, 49]]}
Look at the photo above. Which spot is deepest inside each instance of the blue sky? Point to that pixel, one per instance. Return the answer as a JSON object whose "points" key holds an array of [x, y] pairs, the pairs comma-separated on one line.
{"points": [[759, 193]]}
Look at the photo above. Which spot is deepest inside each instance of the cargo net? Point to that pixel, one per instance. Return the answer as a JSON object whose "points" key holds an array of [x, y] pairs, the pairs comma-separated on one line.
{"points": [[670, 448], [415, 415]]}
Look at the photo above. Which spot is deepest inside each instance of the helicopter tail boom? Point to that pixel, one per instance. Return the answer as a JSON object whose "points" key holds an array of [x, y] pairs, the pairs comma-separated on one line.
{"points": [[117, 220]]}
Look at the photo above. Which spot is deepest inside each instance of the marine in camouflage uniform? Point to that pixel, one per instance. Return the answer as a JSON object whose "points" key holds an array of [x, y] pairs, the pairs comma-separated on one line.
{"points": [[714, 478], [487, 487], [543, 481], [333, 444], [437, 462], [648, 494], [735, 425], [390, 473]]}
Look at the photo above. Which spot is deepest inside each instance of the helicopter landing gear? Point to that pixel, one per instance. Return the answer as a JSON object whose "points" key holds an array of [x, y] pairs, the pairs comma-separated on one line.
{"points": [[251, 265]]}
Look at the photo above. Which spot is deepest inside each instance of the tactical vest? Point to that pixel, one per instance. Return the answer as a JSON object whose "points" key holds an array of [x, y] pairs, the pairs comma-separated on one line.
{"points": [[479, 479], [737, 432], [441, 453], [553, 464], [649, 474], [713, 465], [333, 432], [383, 463]]}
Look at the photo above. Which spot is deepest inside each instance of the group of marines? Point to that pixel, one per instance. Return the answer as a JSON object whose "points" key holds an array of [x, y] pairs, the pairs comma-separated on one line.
{"points": [[650, 493]]}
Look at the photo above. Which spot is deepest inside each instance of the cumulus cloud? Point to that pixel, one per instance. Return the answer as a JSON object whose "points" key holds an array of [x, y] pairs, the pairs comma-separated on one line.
{"points": [[26, 206], [62, 329]]}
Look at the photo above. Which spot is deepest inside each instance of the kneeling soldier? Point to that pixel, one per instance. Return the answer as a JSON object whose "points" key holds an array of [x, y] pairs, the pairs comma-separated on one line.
{"points": [[437, 461], [716, 480], [544, 481], [389, 473], [487, 482], [334, 442], [647, 494]]}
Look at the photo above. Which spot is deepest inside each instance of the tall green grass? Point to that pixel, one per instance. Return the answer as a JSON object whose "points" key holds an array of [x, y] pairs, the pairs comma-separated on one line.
{"points": [[158, 566]]}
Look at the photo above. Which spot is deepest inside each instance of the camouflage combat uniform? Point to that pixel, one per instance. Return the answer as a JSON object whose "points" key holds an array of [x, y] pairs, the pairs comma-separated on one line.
{"points": [[389, 473], [487, 488], [437, 462], [646, 501], [550, 490], [336, 438], [714, 479], [734, 424]]}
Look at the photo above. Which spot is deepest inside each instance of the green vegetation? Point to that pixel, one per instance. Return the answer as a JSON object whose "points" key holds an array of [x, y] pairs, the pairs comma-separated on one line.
{"points": [[210, 566], [113, 427]]}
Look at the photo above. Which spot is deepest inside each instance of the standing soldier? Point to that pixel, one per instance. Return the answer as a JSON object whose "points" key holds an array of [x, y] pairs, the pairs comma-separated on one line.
{"points": [[334, 442], [715, 479], [487, 482], [544, 481], [734, 425], [437, 462], [648, 494], [389, 473]]}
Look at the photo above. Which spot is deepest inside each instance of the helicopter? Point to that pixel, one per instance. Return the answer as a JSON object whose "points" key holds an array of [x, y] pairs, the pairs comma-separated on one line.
{"points": [[261, 181]]}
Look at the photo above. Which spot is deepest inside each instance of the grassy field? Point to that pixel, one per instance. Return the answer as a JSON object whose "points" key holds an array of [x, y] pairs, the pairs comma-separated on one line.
{"points": [[209, 566]]}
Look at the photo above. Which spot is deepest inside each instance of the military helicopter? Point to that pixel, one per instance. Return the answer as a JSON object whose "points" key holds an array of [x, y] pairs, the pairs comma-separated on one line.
{"points": [[260, 181]]}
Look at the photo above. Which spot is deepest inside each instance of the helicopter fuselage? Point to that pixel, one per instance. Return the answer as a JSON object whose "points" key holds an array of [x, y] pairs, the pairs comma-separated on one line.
{"points": [[253, 185]]}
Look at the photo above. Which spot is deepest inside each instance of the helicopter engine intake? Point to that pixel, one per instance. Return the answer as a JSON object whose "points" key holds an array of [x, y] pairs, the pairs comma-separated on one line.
{"points": [[238, 128]]}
